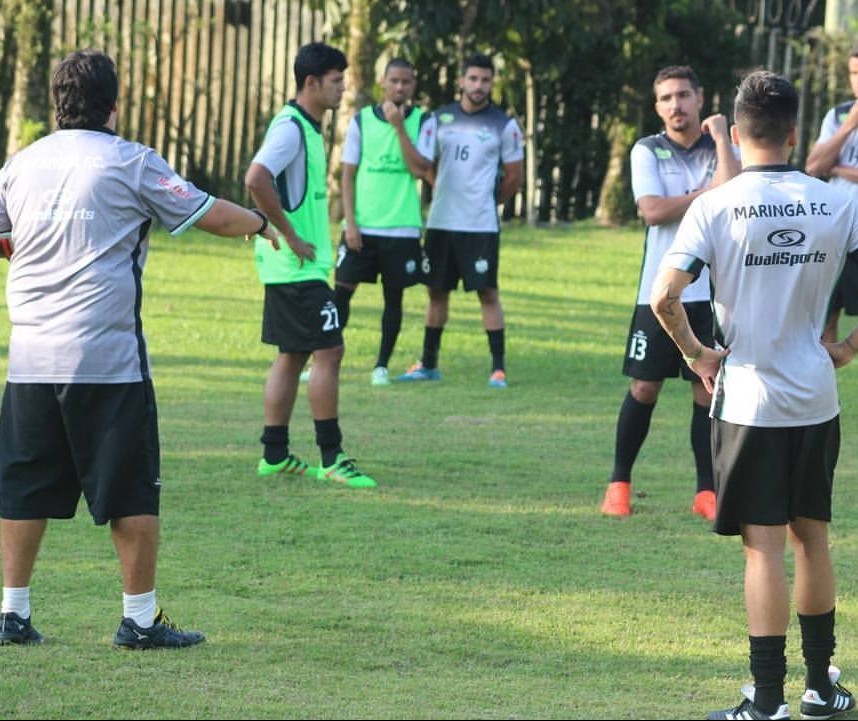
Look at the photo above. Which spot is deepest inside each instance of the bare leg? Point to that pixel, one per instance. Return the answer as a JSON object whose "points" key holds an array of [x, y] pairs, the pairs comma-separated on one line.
{"points": [[281, 388], [323, 389], [20, 546], [136, 542], [766, 586], [438, 310], [814, 575], [491, 308]]}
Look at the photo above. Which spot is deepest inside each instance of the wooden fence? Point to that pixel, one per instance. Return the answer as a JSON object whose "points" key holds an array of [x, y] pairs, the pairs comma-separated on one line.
{"points": [[199, 79]]}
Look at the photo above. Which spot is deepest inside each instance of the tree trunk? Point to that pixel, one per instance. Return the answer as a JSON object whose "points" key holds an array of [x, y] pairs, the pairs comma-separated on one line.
{"points": [[616, 204], [29, 109], [362, 52]]}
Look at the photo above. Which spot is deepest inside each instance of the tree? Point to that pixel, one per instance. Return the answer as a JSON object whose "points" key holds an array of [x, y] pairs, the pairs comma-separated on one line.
{"points": [[24, 91]]}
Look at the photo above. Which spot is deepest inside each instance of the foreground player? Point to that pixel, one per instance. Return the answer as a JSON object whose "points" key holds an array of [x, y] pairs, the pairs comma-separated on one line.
{"points": [[775, 241]]}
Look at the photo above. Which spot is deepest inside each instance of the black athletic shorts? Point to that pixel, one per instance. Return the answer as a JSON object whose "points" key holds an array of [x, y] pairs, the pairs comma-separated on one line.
{"points": [[770, 476], [300, 317], [397, 260], [845, 294], [651, 354], [451, 255], [58, 441]]}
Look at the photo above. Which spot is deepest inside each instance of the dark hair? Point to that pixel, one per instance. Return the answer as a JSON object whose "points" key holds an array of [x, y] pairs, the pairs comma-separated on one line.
{"points": [[478, 60], [84, 87], [317, 59], [766, 107], [676, 72], [399, 63]]}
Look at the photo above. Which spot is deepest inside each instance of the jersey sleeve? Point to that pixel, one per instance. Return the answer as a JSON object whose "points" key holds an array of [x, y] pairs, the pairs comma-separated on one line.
{"points": [[512, 148], [645, 177], [427, 141], [175, 202], [5, 222], [351, 144], [691, 248], [829, 126], [282, 145]]}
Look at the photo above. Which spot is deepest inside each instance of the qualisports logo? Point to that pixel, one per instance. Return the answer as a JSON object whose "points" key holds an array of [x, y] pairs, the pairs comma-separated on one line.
{"points": [[786, 238]]}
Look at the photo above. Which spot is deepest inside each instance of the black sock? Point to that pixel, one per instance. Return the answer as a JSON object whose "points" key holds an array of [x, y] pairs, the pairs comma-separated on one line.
{"points": [[817, 647], [768, 667], [329, 438], [391, 322], [496, 348], [343, 299], [276, 442], [632, 429], [701, 445], [431, 346]]}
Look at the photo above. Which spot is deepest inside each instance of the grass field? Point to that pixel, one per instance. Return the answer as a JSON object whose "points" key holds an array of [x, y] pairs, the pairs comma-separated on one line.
{"points": [[479, 580]]}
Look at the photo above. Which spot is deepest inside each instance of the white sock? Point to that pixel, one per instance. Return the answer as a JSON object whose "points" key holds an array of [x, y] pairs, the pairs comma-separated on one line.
{"points": [[140, 608], [16, 600]]}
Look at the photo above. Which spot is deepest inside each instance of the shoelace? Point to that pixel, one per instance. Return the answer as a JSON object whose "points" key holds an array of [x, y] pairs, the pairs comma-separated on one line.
{"points": [[165, 620], [348, 468]]}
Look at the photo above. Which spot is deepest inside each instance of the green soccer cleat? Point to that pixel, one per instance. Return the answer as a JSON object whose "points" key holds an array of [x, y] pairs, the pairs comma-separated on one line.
{"points": [[344, 471], [291, 466]]}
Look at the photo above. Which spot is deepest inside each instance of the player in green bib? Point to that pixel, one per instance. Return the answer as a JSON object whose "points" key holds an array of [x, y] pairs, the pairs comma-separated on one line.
{"points": [[381, 204], [288, 181]]}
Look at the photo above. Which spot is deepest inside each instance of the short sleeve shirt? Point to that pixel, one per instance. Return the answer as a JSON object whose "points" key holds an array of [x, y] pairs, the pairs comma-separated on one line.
{"points": [[666, 169], [78, 206], [470, 149], [849, 150], [775, 240]]}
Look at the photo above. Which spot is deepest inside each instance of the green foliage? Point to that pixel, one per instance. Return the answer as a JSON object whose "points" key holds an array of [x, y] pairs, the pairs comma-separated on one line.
{"points": [[478, 581], [31, 131]]}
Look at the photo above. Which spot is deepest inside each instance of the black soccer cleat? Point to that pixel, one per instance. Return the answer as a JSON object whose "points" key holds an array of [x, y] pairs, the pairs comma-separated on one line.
{"points": [[814, 707], [14, 629], [161, 634]]}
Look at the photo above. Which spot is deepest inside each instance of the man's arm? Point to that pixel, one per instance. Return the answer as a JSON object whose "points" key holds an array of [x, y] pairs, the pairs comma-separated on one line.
{"points": [[825, 153], [667, 305], [511, 180], [260, 183], [727, 165], [227, 218], [657, 210], [418, 166], [352, 232]]}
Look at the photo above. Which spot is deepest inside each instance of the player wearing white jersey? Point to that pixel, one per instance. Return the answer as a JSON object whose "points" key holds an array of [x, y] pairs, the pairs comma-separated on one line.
{"points": [[478, 153], [775, 241], [669, 169], [79, 413], [835, 156]]}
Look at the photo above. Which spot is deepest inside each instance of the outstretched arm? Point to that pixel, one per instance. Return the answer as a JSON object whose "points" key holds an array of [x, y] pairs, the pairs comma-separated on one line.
{"points": [[227, 218]]}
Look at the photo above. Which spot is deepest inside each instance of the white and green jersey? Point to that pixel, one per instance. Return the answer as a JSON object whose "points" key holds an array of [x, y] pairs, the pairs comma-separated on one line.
{"points": [[78, 206], [849, 150], [775, 241], [387, 201], [666, 169], [470, 149]]}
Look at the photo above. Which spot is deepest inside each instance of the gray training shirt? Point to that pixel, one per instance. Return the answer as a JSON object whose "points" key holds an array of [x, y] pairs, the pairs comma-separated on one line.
{"points": [[78, 206]]}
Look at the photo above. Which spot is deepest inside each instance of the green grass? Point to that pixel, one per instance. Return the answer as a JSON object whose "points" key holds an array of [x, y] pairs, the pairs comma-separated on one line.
{"points": [[478, 581]]}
